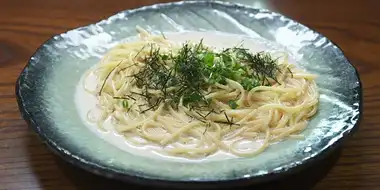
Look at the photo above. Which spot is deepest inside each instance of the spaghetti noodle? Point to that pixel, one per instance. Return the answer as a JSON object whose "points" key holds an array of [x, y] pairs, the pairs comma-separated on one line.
{"points": [[193, 100]]}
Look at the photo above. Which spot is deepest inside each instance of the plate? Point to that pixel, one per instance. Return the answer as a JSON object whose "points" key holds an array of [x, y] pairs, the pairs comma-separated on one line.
{"points": [[45, 93]]}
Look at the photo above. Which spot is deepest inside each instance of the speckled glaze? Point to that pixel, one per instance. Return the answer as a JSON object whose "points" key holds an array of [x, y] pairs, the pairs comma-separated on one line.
{"points": [[45, 94]]}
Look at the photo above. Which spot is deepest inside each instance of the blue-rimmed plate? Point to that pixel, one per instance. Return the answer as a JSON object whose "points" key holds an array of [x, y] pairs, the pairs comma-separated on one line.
{"points": [[46, 87]]}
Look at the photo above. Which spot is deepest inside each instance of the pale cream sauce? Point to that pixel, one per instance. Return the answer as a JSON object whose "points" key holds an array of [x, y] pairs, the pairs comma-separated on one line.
{"points": [[86, 101]]}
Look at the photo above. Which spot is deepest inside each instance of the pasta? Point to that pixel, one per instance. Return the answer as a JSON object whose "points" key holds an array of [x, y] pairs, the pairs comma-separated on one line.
{"points": [[192, 100]]}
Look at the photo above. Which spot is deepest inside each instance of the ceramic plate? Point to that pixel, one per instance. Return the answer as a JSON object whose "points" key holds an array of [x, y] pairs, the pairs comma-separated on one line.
{"points": [[46, 87]]}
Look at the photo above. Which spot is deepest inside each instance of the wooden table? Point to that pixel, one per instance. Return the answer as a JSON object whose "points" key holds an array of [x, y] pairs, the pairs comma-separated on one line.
{"points": [[24, 25]]}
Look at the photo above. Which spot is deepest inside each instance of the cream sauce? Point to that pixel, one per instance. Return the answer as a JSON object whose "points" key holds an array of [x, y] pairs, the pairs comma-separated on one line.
{"points": [[86, 101]]}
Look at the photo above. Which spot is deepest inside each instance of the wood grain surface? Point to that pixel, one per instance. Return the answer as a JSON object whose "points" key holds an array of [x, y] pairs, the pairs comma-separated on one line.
{"points": [[25, 24]]}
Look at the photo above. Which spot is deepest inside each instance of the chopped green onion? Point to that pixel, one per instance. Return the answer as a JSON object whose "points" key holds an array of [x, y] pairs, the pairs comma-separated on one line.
{"points": [[209, 59], [164, 57], [125, 103], [232, 104], [195, 67]]}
